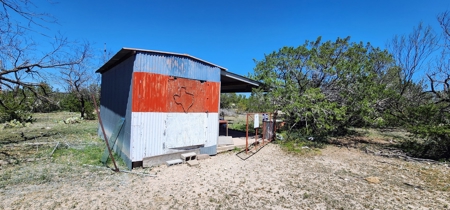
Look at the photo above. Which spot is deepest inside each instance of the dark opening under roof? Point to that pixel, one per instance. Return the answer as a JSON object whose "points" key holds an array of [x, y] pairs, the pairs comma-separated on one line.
{"points": [[235, 83], [230, 82]]}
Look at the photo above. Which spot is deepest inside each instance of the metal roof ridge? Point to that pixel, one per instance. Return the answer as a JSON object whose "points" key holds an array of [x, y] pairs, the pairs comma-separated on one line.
{"points": [[173, 53]]}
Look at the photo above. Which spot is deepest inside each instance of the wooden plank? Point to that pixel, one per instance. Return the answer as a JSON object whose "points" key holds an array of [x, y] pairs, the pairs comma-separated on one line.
{"points": [[112, 139]]}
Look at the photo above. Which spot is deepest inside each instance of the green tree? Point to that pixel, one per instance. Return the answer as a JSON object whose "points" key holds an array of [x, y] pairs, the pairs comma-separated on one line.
{"points": [[44, 99], [233, 101], [228, 100], [14, 106], [325, 86]]}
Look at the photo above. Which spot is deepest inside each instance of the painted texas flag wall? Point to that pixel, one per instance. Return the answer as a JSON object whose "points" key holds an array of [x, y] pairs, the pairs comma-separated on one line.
{"points": [[169, 113]]}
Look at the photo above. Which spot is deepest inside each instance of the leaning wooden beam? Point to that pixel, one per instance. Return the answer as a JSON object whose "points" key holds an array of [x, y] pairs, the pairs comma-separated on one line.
{"points": [[104, 135]]}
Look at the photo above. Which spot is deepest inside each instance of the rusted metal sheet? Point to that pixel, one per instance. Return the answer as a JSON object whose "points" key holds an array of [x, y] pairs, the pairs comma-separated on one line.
{"points": [[186, 95], [176, 65], [149, 92], [161, 93]]}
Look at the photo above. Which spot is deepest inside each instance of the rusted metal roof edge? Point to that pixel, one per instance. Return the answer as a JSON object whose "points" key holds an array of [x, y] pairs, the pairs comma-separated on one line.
{"points": [[125, 53]]}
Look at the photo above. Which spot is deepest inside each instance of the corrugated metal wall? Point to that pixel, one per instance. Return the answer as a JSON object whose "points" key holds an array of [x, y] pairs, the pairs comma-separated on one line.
{"points": [[176, 66], [212, 134], [175, 104], [162, 93], [115, 103], [153, 135]]}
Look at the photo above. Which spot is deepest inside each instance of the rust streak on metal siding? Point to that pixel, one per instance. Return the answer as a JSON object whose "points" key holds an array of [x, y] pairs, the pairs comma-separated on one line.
{"points": [[161, 93]]}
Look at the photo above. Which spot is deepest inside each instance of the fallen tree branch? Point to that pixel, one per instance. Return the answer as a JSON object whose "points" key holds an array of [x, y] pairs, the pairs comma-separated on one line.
{"points": [[418, 159], [414, 186], [54, 149], [397, 154], [387, 163]]}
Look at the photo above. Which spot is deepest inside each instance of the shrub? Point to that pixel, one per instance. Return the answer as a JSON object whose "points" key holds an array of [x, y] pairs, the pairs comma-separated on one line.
{"points": [[430, 127], [429, 141]]}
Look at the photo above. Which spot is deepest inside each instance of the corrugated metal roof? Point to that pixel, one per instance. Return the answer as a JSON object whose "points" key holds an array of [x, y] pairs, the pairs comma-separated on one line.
{"points": [[126, 52]]}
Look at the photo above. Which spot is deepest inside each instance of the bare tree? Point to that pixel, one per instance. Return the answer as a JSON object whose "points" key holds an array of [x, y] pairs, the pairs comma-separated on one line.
{"points": [[79, 80], [23, 62], [439, 74], [411, 53], [444, 22], [440, 83]]}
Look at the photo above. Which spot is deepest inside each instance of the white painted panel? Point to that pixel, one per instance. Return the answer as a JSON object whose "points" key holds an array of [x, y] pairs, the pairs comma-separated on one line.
{"points": [[156, 133], [185, 129], [256, 121], [212, 129], [147, 136]]}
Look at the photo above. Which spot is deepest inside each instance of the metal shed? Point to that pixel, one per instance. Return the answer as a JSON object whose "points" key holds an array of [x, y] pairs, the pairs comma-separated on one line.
{"points": [[170, 102]]}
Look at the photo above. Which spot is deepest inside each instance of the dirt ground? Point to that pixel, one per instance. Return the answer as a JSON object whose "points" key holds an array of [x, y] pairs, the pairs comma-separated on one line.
{"points": [[338, 178]]}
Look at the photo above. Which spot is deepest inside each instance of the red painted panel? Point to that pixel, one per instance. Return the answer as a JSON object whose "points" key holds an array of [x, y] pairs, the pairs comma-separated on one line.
{"points": [[186, 95], [149, 92], [161, 93], [212, 96]]}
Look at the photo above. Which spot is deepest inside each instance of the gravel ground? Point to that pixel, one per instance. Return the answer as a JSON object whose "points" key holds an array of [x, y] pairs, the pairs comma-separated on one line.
{"points": [[338, 178]]}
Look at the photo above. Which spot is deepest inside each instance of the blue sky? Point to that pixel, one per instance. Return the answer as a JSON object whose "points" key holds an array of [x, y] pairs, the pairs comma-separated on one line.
{"points": [[233, 33]]}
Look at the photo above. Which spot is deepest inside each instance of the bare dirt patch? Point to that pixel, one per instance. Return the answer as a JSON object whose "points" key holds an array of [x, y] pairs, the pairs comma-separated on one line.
{"points": [[270, 179]]}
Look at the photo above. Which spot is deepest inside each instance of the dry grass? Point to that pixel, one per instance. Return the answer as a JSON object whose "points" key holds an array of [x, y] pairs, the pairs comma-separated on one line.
{"points": [[47, 149], [381, 134], [335, 178]]}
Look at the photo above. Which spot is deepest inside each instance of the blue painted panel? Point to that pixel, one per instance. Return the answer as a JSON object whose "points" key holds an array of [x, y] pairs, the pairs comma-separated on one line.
{"points": [[174, 65], [211, 150], [115, 100]]}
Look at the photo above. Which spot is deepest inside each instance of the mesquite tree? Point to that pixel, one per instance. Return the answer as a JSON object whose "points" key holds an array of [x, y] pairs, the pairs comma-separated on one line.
{"points": [[24, 63]]}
